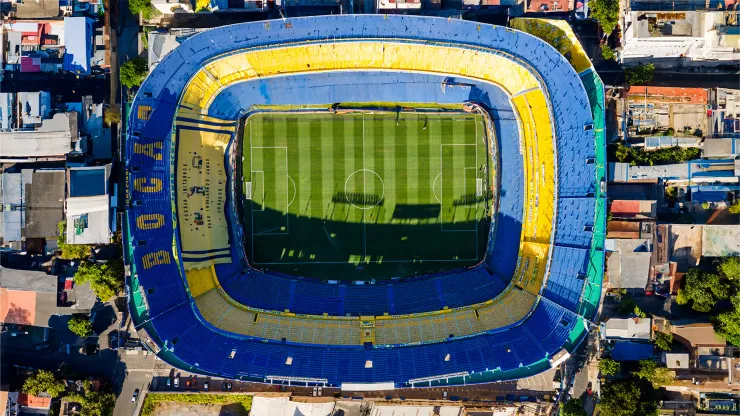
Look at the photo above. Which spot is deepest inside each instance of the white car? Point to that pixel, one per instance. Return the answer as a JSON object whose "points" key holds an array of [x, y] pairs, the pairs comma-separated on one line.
{"points": [[136, 394]]}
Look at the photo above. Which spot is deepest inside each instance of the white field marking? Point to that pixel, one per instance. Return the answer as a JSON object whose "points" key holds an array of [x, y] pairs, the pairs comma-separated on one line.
{"points": [[434, 185], [262, 187], [287, 225], [441, 222], [363, 186], [295, 190]]}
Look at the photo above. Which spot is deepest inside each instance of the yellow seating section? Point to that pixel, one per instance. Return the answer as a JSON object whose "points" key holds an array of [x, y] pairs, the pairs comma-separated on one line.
{"points": [[201, 280], [201, 196], [375, 55], [537, 148], [539, 189]]}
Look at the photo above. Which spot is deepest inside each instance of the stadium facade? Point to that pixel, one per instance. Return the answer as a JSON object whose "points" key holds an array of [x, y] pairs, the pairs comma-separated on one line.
{"points": [[202, 306]]}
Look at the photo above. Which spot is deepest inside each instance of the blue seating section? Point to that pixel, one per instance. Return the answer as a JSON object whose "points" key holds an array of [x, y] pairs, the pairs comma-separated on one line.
{"points": [[473, 286], [575, 219], [260, 290], [420, 295], [209, 351], [563, 284], [316, 298], [175, 324], [309, 296]]}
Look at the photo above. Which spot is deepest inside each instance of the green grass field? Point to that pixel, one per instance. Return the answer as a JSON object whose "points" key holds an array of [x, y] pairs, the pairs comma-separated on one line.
{"points": [[364, 195]]}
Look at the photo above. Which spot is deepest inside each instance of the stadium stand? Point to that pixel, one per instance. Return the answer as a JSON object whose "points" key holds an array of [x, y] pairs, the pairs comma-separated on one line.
{"points": [[199, 327]]}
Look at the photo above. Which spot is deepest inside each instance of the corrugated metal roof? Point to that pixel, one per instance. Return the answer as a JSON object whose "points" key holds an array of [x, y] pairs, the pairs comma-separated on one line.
{"points": [[79, 42]]}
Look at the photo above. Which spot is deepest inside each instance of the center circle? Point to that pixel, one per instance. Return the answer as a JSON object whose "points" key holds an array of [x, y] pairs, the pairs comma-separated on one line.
{"points": [[364, 189]]}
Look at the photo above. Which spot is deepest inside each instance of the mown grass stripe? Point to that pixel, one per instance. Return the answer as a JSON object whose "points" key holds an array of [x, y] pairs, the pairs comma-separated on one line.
{"points": [[316, 155], [423, 157]]}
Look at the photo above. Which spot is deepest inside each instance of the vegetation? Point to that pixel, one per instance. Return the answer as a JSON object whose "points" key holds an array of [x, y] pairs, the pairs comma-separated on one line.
{"points": [[705, 205], [573, 407], [43, 381], [202, 5], [655, 374], [71, 251], [707, 291], [637, 156], [627, 398], [735, 207], [639, 75], [106, 279], [547, 32], [670, 192], [150, 403], [609, 367], [703, 290], [94, 403], [607, 13], [727, 324], [663, 340], [80, 324], [140, 6], [112, 114], [134, 71], [627, 306], [607, 52]]}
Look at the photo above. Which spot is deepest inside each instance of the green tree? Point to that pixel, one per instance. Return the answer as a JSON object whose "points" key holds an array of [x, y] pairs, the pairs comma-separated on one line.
{"points": [[727, 324], [670, 192], [202, 5], [134, 71], [573, 407], [43, 381], [622, 153], [729, 268], [94, 403], [609, 367], [705, 205], [112, 114], [628, 398], [141, 6], [639, 75], [606, 12], [106, 279], [71, 251], [607, 52], [704, 290], [80, 325], [663, 340], [735, 207], [656, 375], [549, 33], [619, 398]]}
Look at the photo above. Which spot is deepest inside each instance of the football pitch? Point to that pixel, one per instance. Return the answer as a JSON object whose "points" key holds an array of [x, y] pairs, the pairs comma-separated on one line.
{"points": [[365, 195]]}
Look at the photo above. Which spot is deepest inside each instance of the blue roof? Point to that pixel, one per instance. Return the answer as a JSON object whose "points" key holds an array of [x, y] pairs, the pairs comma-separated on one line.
{"points": [[631, 351], [87, 182], [78, 48]]}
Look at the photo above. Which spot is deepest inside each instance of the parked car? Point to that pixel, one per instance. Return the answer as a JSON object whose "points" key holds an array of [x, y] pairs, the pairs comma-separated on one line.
{"points": [[177, 380], [136, 394], [205, 385]]}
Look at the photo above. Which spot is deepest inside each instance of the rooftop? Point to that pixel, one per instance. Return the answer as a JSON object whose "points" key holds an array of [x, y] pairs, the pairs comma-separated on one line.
{"points": [[698, 335], [628, 328], [628, 265], [51, 141], [45, 204]]}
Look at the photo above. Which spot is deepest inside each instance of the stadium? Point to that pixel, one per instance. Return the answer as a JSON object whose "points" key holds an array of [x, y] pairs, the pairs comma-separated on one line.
{"points": [[366, 201]]}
